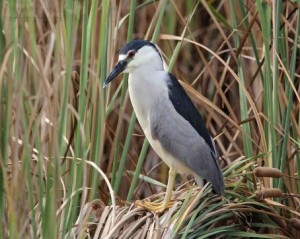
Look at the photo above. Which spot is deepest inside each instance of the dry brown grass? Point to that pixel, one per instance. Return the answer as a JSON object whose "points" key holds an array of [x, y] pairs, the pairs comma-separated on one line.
{"points": [[38, 119]]}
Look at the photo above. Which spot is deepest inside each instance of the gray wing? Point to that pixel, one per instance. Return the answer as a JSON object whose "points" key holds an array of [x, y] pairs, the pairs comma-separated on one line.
{"points": [[179, 138]]}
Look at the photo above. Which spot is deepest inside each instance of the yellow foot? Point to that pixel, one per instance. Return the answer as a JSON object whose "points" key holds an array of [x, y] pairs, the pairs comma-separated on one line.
{"points": [[158, 207]]}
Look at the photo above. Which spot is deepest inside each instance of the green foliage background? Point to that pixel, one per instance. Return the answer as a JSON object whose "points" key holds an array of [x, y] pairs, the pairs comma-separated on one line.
{"points": [[66, 141]]}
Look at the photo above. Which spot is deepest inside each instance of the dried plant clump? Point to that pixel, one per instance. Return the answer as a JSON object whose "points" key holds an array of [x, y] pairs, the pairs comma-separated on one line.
{"points": [[72, 153]]}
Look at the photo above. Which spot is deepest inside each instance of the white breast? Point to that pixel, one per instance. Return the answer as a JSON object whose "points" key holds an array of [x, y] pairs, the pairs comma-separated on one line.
{"points": [[145, 93]]}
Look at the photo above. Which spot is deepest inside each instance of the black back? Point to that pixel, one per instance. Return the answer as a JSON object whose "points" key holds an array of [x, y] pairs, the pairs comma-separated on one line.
{"points": [[185, 107]]}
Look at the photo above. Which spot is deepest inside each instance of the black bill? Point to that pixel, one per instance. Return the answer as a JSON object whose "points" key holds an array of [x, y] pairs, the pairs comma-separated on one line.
{"points": [[119, 68]]}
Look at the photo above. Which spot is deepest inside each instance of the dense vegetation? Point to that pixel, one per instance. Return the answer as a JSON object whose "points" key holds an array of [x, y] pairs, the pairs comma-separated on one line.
{"points": [[72, 155]]}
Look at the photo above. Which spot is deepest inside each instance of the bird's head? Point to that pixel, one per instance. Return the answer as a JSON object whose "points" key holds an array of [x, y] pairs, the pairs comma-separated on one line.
{"points": [[136, 54]]}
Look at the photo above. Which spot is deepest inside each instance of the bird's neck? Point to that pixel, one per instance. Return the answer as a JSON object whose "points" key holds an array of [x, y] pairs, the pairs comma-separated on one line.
{"points": [[145, 89], [152, 66], [144, 76]]}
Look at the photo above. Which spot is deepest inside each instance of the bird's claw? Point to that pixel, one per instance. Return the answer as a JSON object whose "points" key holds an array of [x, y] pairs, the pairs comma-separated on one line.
{"points": [[158, 207]]}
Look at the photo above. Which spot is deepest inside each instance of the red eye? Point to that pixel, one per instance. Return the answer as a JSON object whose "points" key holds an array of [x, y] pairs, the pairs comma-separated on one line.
{"points": [[131, 54]]}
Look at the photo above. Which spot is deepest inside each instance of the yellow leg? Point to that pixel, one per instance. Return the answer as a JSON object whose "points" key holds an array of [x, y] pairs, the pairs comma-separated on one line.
{"points": [[158, 206], [171, 180]]}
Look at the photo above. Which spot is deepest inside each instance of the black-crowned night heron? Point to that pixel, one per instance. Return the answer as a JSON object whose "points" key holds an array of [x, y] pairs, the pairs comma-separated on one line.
{"points": [[170, 121]]}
